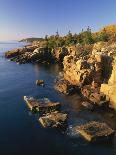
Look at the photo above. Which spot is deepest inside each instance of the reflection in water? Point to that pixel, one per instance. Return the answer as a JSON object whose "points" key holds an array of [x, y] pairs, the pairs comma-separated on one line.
{"points": [[51, 68]]}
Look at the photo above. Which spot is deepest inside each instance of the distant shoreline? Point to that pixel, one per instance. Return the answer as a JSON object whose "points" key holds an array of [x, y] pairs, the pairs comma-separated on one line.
{"points": [[8, 42]]}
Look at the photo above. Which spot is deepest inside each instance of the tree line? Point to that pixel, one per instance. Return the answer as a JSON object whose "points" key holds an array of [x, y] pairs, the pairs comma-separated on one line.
{"points": [[85, 37]]}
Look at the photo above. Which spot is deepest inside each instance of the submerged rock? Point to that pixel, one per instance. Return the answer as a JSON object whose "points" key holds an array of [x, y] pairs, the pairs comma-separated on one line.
{"points": [[42, 106], [95, 131], [54, 120], [88, 105]]}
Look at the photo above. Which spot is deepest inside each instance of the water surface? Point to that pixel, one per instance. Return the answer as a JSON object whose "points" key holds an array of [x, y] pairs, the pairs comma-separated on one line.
{"points": [[20, 132]]}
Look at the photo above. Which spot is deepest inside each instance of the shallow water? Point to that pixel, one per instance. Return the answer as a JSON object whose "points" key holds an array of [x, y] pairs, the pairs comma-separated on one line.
{"points": [[20, 132]]}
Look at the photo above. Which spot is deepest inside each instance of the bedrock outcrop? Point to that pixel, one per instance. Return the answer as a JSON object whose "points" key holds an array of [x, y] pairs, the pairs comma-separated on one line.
{"points": [[36, 53], [30, 54], [20, 51], [59, 53], [91, 72], [110, 88], [91, 68]]}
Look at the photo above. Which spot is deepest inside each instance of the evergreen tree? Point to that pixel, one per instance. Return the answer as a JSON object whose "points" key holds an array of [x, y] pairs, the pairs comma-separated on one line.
{"points": [[103, 36]]}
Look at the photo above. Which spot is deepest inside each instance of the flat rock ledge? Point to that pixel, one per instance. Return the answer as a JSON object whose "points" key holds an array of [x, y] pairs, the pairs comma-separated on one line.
{"points": [[54, 120], [95, 131], [41, 106]]}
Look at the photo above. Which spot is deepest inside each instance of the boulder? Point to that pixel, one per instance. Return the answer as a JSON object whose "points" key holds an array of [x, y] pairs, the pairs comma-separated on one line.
{"points": [[97, 97], [54, 120], [95, 131], [88, 105], [40, 82], [42, 105], [109, 91], [97, 48]]}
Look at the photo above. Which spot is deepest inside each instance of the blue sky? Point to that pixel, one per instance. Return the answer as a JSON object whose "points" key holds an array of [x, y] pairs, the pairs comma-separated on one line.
{"points": [[35, 18]]}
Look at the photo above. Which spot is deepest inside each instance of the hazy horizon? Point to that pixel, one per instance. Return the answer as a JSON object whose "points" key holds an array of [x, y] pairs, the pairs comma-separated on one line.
{"points": [[23, 19]]}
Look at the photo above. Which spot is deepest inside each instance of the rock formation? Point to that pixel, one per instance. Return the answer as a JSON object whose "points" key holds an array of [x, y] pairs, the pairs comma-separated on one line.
{"points": [[59, 53], [30, 54], [54, 120], [95, 131], [110, 87], [88, 72], [88, 67]]}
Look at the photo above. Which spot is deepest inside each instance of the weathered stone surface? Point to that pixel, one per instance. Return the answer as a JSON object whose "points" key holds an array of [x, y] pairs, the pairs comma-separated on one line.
{"points": [[64, 86], [110, 92], [88, 105], [20, 51], [106, 48], [97, 48], [42, 54], [83, 71], [94, 95], [12, 53], [77, 72], [95, 131], [89, 72], [30, 54], [42, 106], [109, 88], [59, 53], [54, 120]]}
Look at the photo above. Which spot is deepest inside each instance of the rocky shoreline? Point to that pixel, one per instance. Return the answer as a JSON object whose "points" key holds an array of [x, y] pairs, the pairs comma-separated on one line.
{"points": [[91, 72], [88, 69]]}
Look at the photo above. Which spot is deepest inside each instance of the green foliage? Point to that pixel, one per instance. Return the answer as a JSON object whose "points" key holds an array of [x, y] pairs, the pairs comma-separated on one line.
{"points": [[103, 36], [84, 38], [31, 39]]}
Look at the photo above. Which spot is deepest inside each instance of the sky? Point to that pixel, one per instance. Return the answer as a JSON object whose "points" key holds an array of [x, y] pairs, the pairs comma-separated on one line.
{"points": [[36, 18]]}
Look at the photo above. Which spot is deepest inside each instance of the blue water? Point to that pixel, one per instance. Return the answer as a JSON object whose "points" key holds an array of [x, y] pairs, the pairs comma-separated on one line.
{"points": [[20, 132]]}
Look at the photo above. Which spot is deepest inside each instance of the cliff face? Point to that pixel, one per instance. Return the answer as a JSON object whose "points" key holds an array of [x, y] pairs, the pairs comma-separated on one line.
{"points": [[85, 70], [77, 71], [59, 53], [91, 71], [110, 88]]}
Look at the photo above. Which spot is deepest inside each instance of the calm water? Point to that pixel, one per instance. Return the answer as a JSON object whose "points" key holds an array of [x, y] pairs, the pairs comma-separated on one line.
{"points": [[20, 132]]}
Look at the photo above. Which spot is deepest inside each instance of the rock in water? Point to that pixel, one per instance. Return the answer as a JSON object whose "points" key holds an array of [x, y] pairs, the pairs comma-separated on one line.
{"points": [[40, 82], [88, 105], [54, 120], [95, 131], [42, 106]]}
